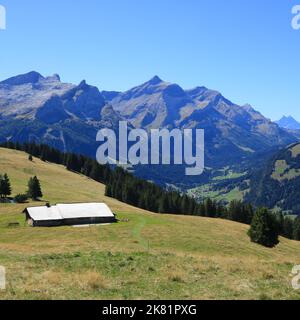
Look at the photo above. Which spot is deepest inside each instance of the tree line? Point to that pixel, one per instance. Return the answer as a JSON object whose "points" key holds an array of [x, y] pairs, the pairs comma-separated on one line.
{"points": [[129, 189]]}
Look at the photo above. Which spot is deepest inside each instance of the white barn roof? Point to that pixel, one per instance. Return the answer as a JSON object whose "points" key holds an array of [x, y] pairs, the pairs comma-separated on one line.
{"points": [[44, 213], [70, 211]]}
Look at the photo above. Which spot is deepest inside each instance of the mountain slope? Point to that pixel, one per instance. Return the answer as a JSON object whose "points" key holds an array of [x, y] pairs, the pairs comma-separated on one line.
{"points": [[72, 187], [277, 184], [145, 255], [154, 104]]}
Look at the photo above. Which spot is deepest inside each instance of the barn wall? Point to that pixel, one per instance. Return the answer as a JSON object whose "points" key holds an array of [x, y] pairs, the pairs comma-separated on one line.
{"points": [[72, 222], [48, 223], [82, 221]]}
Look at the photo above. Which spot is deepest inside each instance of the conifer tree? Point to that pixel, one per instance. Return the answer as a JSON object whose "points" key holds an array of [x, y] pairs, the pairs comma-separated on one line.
{"points": [[296, 229], [209, 207], [5, 187], [163, 206], [34, 188], [288, 226], [263, 228]]}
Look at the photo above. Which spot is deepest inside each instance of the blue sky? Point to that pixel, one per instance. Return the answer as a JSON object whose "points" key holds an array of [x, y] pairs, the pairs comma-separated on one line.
{"points": [[244, 48]]}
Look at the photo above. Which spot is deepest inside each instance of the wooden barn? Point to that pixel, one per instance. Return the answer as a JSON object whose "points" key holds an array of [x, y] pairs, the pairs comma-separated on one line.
{"points": [[69, 215]]}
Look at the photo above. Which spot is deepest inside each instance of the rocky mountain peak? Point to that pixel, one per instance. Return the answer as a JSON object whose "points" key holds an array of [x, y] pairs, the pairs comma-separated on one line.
{"points": [[27, 78], [289, 122], [82, 84], [155, 80], [55, 77]]}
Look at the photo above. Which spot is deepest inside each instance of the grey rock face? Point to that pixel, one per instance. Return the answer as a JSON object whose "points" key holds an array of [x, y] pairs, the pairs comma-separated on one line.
{"points": [[31, 77], [46, 110], [158, 104]]}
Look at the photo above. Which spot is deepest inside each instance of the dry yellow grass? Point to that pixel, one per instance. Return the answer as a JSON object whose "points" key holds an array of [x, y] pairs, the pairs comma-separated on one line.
{"points": [[151, 256], [59, 185]]}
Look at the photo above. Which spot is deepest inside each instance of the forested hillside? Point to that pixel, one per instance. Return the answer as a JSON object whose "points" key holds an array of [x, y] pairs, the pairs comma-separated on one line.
{"points": [[277, 185]]}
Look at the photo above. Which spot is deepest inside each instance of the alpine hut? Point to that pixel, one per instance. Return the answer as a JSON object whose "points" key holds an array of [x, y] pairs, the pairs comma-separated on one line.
{"points": [[69, 214]]}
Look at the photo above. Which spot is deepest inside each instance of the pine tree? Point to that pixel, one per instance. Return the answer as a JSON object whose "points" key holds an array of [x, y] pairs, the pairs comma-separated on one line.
{"points": [[280, 219], [87, 167], [1, 187], [220, 211], [296, 229], [250, 213], [125, 193], [34, 188], [5, 187], [235, 211], [263, 228], [288, 226], [163, 206], [202, 210], [96, 172], [108, 190], [185, 205], [209, 207]]}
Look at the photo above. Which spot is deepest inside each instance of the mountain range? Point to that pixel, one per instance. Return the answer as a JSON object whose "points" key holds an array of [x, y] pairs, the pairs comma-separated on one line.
{"points": [[230, 129], [68, 116]]}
